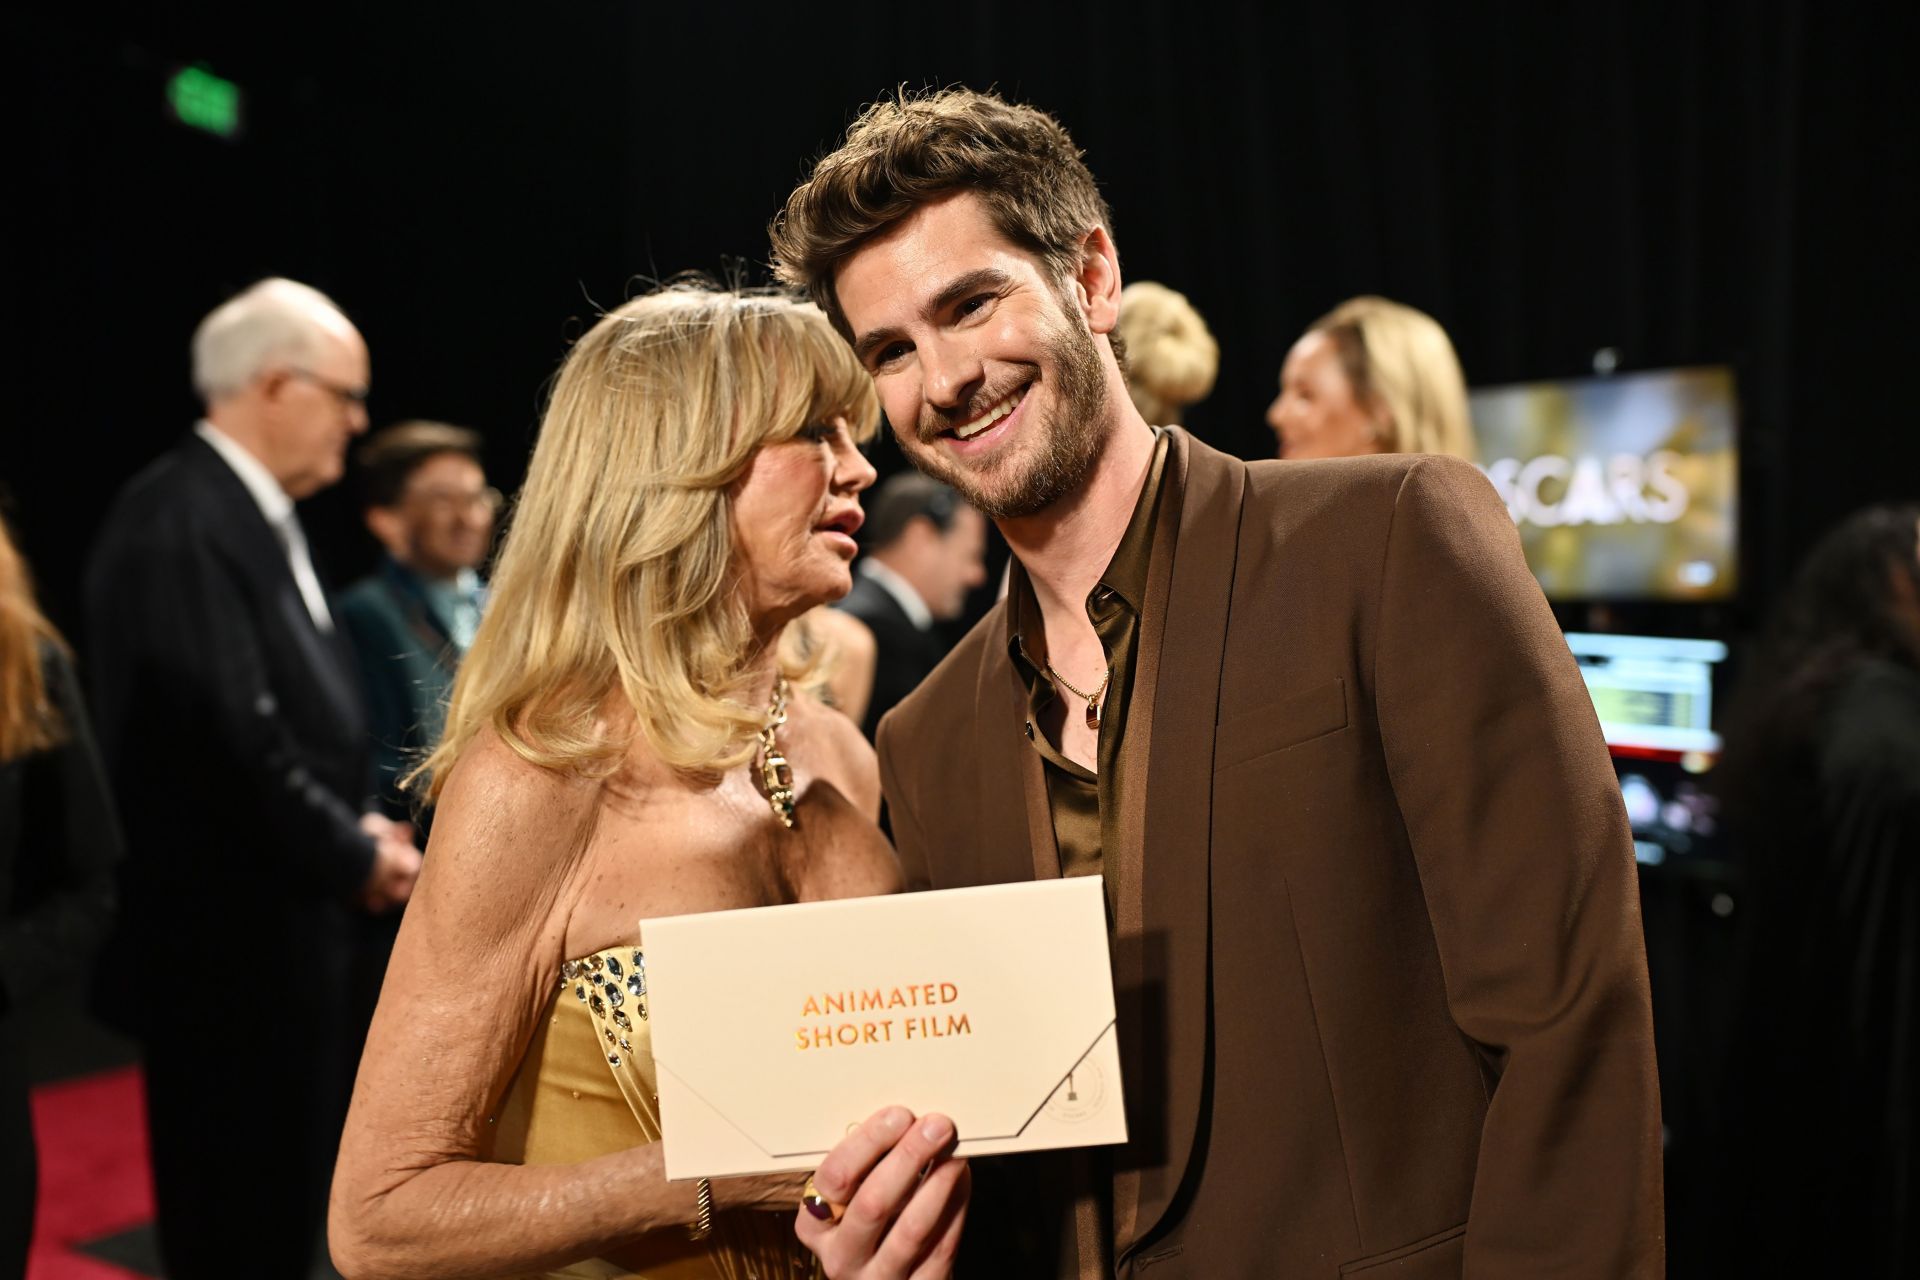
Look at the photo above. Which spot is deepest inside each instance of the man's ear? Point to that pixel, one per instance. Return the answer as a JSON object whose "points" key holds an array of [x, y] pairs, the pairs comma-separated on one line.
{"points": [[390, 528], [1097, 282], [269, 386]]}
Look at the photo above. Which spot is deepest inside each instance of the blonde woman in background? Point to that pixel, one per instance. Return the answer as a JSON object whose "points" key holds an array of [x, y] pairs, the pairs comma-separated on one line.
{"points": [[848, 658], [694, 490], [1172, 358], [1372, 376]]}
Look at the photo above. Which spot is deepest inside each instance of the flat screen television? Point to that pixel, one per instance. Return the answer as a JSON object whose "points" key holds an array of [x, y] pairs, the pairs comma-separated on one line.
{"points": [[1653, 694], [1624, 487], [1654, 697]]}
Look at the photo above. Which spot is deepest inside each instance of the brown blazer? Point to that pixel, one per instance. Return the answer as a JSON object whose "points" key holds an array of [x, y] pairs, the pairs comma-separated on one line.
{"points": [[1382, 986]]}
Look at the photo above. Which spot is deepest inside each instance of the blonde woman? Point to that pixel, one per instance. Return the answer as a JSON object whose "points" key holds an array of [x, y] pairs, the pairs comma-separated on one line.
{"points": [[848, 656], [1372, 376], [612, 752], [1172, 358]]}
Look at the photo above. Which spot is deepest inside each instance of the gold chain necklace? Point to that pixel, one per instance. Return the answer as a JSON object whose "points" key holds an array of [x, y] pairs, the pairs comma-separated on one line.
{"points": [[776, 775], [1093, 699]]}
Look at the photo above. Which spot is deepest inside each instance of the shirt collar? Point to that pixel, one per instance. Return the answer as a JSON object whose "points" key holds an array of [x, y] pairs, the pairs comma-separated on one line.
{"points": [[272, 500], [459, 590], [901, 590], [1126, 573]]}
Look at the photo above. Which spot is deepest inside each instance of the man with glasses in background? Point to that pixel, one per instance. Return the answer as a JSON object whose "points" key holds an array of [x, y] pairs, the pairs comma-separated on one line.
{"points": [[428, 504], [231, 721], [430, 507]]}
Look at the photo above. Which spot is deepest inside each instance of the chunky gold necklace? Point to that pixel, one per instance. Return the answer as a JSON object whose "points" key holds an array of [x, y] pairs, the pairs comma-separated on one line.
{"points": [[1093, 699], [776, 775]]}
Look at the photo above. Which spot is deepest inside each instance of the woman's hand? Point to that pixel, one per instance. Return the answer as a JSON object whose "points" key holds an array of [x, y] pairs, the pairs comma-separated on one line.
{"points": [[905, 1197]]}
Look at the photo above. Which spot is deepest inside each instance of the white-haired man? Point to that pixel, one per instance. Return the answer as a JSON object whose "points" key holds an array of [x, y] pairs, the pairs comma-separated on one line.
{"points": [[231, 720]]}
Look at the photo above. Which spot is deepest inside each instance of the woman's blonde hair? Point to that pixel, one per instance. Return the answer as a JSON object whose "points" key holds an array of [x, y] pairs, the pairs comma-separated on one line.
{"points": [[617, 572], [29, 721], [1400, 359], [1172, 358]]}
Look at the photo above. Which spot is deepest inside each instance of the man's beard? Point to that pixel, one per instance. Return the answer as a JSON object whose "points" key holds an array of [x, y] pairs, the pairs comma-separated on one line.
{"points": [[1072, 436]]}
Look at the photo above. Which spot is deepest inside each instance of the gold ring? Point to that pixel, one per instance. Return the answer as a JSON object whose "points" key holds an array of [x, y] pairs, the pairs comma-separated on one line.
{"points": [[818, 1205]]}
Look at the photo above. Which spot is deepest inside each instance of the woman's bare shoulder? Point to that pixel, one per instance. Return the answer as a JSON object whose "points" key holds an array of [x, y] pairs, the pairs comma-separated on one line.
{"points": [[494, 783], [853, 636], [842, 754], [506, 828], [829, 731], [850, 654]]}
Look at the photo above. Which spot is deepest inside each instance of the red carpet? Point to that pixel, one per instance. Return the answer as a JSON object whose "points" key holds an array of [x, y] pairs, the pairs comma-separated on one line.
{"points": [[94, 1179]]}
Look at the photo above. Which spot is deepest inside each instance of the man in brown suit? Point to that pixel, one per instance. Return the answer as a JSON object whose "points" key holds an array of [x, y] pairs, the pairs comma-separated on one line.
{"points": [[1383, 997]]}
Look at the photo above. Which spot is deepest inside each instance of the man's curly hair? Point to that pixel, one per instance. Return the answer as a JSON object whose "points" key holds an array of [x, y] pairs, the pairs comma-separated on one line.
{"points": [[908, 149]]}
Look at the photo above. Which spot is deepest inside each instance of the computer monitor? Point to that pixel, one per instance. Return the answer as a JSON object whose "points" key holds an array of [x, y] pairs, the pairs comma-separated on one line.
{"points": [[1623, 488], [1654, 696]]}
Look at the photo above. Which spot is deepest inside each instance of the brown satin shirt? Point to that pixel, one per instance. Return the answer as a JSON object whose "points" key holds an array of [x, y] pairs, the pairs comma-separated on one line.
{"points": [[1083, 802], [1085, 805]]}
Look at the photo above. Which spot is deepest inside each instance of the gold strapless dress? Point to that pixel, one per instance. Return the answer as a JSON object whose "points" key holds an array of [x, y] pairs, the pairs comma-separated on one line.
{"points": [[586, 1088]]}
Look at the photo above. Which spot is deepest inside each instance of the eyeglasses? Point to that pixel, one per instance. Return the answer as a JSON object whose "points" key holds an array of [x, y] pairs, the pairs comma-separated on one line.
{"points": [[344, 394], [488, 499]]}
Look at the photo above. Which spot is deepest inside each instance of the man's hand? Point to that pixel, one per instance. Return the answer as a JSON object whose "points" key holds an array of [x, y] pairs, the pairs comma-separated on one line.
{"points": [[396, 863], [905, 1198]]}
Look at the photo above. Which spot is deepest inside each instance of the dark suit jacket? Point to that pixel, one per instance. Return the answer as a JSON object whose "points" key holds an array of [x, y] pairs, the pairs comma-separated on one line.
{"points": [[1819, 1114], [407, 663], [232, 729], [906, 654], [58, 844], [1383, 995]]}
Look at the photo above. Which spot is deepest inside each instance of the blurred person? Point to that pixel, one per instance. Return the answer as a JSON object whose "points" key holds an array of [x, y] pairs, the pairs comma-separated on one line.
{"points": [[231, 723], [1372, 376], [428, 504], [1171, 356], [925, 552], [58, 844], [614, 751], [430, 507], [1821, 779], [848, 657], [1382, 995]]}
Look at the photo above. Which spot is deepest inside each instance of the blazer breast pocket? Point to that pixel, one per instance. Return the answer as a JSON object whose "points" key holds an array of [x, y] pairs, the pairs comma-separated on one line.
{"points": [[1288, 722]]}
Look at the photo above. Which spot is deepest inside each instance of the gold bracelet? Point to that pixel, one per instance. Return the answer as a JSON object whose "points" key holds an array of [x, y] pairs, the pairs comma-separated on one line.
{"points": [[702, 1225]]}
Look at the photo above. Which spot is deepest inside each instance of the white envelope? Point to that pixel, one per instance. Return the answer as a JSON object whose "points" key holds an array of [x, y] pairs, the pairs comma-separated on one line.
{"points": [[776, 1028]]}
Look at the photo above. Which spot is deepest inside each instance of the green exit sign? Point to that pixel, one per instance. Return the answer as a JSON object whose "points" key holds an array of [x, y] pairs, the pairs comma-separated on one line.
{"points": [[201, 100]]}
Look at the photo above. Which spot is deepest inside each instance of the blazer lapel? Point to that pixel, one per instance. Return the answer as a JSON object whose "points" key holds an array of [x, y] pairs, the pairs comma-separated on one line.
{"points": [[334, 663], [259, 553], [410, 602], [1163, 924]]}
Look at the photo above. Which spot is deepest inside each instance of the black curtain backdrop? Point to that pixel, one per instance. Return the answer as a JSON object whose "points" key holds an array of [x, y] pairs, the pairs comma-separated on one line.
{"points": [[1686, 183]]}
